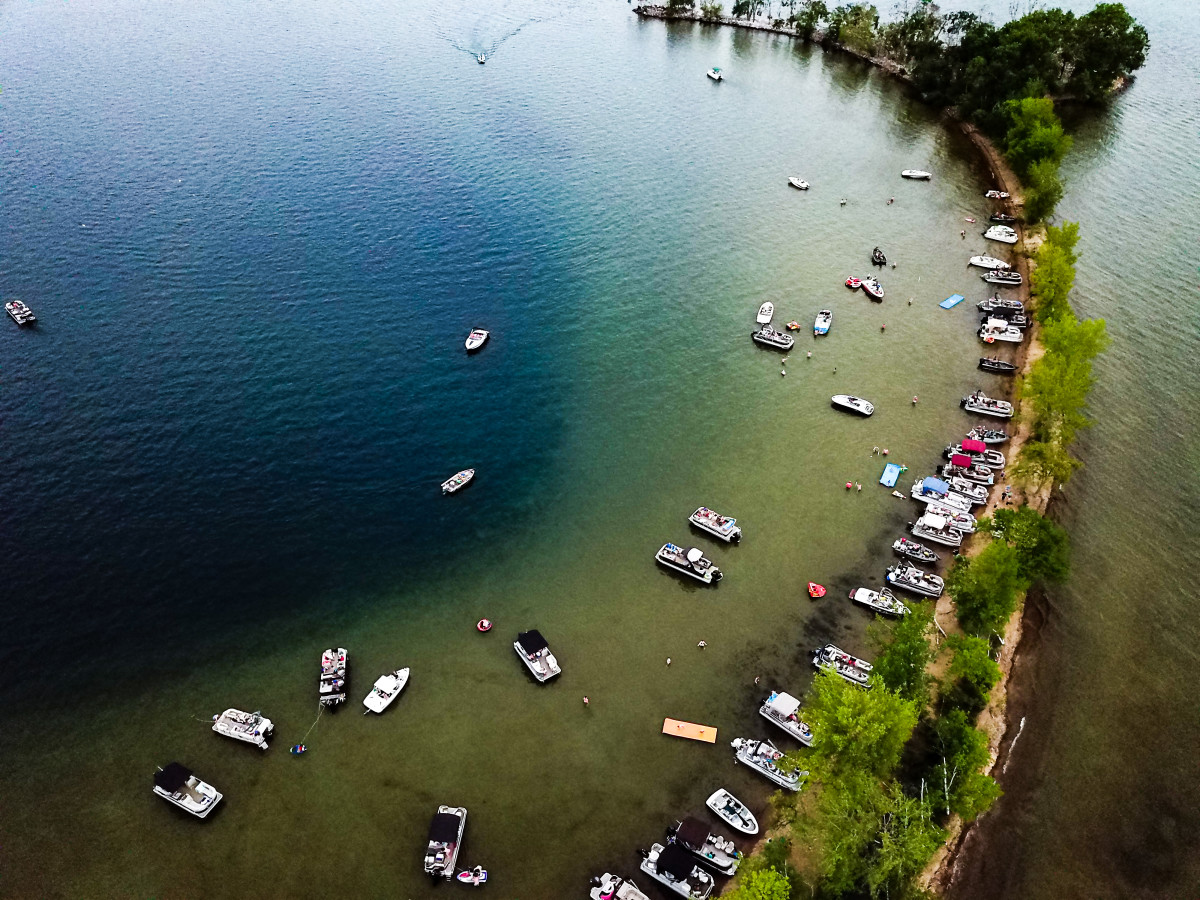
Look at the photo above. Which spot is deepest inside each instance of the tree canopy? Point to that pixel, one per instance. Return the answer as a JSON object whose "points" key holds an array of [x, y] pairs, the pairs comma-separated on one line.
{"points": [[856, 730], [1044, 549], [905, 653], [985, 587]]}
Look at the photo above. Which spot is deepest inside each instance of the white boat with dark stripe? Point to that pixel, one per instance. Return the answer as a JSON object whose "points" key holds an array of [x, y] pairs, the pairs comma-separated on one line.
{"points": [[690, 562]]}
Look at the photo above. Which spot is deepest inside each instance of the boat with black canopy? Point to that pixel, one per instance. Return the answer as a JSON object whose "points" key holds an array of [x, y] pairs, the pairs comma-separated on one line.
{"points": [[177, 784], [691, 562], [535, 653], [445, 840], [784, 710], [676, 869], [714, 850], [613, 887]]}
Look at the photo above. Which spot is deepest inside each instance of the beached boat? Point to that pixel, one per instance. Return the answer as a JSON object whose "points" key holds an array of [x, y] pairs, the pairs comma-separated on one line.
{"points": [[613, 887], [993, 330], [915, 551], [973, 491], [714, 850], [763, 757], [877, 257], [854, 283], [476, 339], [676, 869], [783, 709], [765, 313], [978, 451], [988, 435], [445, 839], [999, 276], [776, 340], [1002, 218], [20, 313], [823, 321], [852, 404], [798, 183], [996, 306], [883, 602], [535, 653], [724, 527], [1002, 234], [855, 670], [251, 727], [996, 365], [690, 562], [715, 74], [936, 530], [988, 262], [732, 811], [335, 675], [935, 490], [909, 578], [996, 195], [458, 482], [916, 174], [872, 288], [386, 689], [976, 473], [981, 403], [177, 784]]}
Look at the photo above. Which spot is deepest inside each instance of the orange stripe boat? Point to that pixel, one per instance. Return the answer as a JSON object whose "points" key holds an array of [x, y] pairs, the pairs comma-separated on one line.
{"points": [[690, 730]]}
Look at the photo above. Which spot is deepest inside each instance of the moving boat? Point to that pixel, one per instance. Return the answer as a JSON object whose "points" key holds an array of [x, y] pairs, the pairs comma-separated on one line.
{"points": [[851, 668], [535, 653], [999, 330], [935, 490], [476, 339], [1001, 233], [677, 869], [732, 811], [386, 689], [178, 785], [763, 756], [997, 365], [978, 451], [724, 527], [999, 276], [997, 306], [916, 174], [988, 435], [715, 74], [913, 550], [878, 258], [981, 403], [765, 313], [613, 887], [883, 602], [910, 578], [251, 727], [783, 709], [798, 183], [458, 482], [482, 58], [988, 262], [691, 562], [872, 288], [776, 340], [823, 321], [21, 314], [936, 530], [714, 850], [335, 665], [852, 404], [445, 839], [853, 283], [996, 195]]}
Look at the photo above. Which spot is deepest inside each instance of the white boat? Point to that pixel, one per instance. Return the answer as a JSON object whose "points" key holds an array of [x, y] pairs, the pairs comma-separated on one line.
{"points": [[535, 653], [784, 710], [714, 850], [1000, 330], [855, 670], [975, 473], [20, 313], [883, 602], [995, 304], [935, 490], [776, 340], [872, 288], [715, 74], [916, 174], [978, 452], [251, 727], [732, 811], [852, 404], [724, 527], [936, 530], [1000, 276], [178, 785], [963, 521], [1001, 233], [798, 183], [976, 493], [988, 435], [765, 313], [612, 887], [910, 578], [335, 667], [458, 482], [988, 262], [476, 339], [482, 58], [981, 403], [996, 195], [445, 839], [386, 689], [914, 550], [763, 757], [676, 868], [823, 321], [691, 562]]}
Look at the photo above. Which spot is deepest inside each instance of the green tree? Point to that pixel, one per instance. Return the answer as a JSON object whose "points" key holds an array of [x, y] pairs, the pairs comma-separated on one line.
{"points": [[676, 6], [971, 676], [907, 840], [710, 12], [985, 588], [1043, 190], [1043, 461], [764, 884], [1044, 548], [1034, 133], [905, 653], [856, 730], [854, 25], [957, 784], [809, 15], [1059, 383], [1054, 276], [846, 821], [1108, 44]]}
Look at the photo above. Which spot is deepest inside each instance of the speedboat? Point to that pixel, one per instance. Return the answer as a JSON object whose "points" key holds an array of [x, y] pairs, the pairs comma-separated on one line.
{"points": [[823, 321], [988, 435], [386, 689], [872, 288], [476, 339], [973, 472], [178, 785], [878, 258], [691, 562], [915, 551], [482, 57], [1002, 218], [916, 174], [999, 330], [988, 262], [763, 757], [996, 195], [853, 283], [798, 183], [714, 850], [445, 839], [936, 530], [21, 314], [335, 667], [783, 709], [910, 578], [724, 527], [458, 482], [935, 490], [677, 869], [977, 451], [999, 276], [981, 403], [765, 313], [997, 306], [732, 811], [855, 670], [996, 365], [776, 340], [852, 404], [613, 887], [535, 653], [1001, 233], [251, 727], [883, 602], [715, 74]]}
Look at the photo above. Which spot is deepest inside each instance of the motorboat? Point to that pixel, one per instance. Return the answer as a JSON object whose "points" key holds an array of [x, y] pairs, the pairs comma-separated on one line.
{"points": [[1001, 233], [482, 58], [823, 321], [851, 668], [798, 183], [1002, 218], [724, 527], [763, 757], [445, 839], [535, 653], [476, 339], [996, 195], [908, 577], [997, 365], [997, 306], [458, 482], [852, 404], [937, 530], [916, 174], [915, 551], [978, 451], [988, 435], [872, 288], [853, 283], [732, 811], [251, 727], [976, 493], [676, 868], [386, 689], [969, 471], [784, 710], [177, 784], [690, 562], [877, 257], [715, 74], [613, 887], [883, 602], [776, 340], [20, 313], [1017, 320], [999, 276], [988, 262], [335, 669], [935, 490], [981, 403], [714, 850], [994, 330], [765, 313]]}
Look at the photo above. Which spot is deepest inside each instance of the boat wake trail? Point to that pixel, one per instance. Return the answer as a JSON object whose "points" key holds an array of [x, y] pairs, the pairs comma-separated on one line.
{"points": [[495, 23]]}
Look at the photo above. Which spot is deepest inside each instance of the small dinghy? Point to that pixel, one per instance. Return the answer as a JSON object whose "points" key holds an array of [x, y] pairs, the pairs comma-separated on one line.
{"points": [[250, 727], [732, 811], [475, 876], [936, 530], [853, 283], [978, 451], [1001, 233], [799, 183], [980, 403], [877, 257], [988, 435], [775, 340], [1002, 218], [784, 710], [724, 527], [823, 321], [908, 577], [815, 590], [458, 482], [988, 262], [714, 850], [386, 689], [872, 288], [852, 404], [851, 668], [996, 195], [477, 339], [997, 365], [613, 887], [763, 757], [916, 174], [883, 602], [914, 551], [677, 870], [691, 562], [715, 74], [999, 276], [765, 313], [178, 785]]}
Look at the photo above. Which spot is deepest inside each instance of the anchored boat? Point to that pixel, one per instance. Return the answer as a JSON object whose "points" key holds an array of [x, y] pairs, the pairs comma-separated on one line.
{"points": [[445, 840], [250, 727], [535, 653], [872, 288], [765, 313], [910, 578], [798, 183], [783, 709], [732, 811], [916, 174], [20, 313], [386, 689], [714, 850], [724, 527], [335, 667], [177, 784], [776, 340], [762, 757], [477, 339], [852, 404], [883, 602], [823, 321], [691, 562]]}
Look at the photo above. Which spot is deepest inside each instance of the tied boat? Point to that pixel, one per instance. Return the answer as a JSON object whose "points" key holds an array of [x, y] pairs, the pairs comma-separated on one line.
{"points": [[250, 727], [915, 551], [1001, 233], [677, 870], [714, 850], [993, 330], [936, 530], [445, 840], [851, 668], [999, 276], [980, 403], [732, 811], [996, 365], [996, 195], [963, 521], [335, 665], [883, 602], [988, 435], [978, 451], [988, 262], [935, 490], [783, 709], [910, 578], [763, 757], [962, 467]]}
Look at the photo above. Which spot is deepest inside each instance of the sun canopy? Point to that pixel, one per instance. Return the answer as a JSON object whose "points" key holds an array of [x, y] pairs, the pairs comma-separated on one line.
{"points": [[173, 777], [695, 555], [444, 828], [692, 832], [676, 862], [973, 446], [937, 523], [532, 641], [962, 461], [784, 704], [936, 485]]}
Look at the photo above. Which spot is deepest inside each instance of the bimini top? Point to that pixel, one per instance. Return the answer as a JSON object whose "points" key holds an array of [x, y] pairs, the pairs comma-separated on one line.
{"points": [[963, 462], [937, 523], [784, 704], [532, 641], [695, 555], [974, 446], [444, 828], [692, 831], [676, 862], [936, 485], [172, 778]]}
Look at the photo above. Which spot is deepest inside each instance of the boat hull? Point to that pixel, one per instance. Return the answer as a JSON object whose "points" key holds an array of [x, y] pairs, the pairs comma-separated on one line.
{"points": [[732, 811]]}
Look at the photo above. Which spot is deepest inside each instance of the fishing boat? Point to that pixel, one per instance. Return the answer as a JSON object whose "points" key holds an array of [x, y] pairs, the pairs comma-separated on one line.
{"points": [[798, 183], [916, 174], [996, 195], [676, 869], [715, 74], [853, 283], [765, 313], [988, 435], [937, 530], [908, 577], [974, 472], [533, 650], [732, 811], [476, 339], [999, 276], [1002, 234], [851, 668], [852, 404], [335, 668], [690, 562], [915, 551], [250, 727], [177, 784], [981, 403], [20, 313], [872, 288], [993, 330], [763, 757], [996, 306], [445, 839], [883, 602], [988, 262], [823, 321], [1002, 218], [386, 689], [457, 482], [935, 490], [714, 850], [877, 257], [997, 365], [776, 340], [978, 451], [613, 887], [724, 527], [784, 710]]}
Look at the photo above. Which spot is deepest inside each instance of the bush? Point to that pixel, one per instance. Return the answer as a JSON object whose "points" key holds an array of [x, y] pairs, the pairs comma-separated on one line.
{"points": [[710, 12], [1034, 133], [1044, 549]]}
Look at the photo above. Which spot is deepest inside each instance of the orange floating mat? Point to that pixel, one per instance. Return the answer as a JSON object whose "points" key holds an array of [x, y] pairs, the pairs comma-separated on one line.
{"points": [[691, 730]]}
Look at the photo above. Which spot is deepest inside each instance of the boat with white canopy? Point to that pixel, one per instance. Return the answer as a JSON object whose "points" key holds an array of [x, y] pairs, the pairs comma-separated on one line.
{"points": [[784, 710], [691, 562], [936, 530]]}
